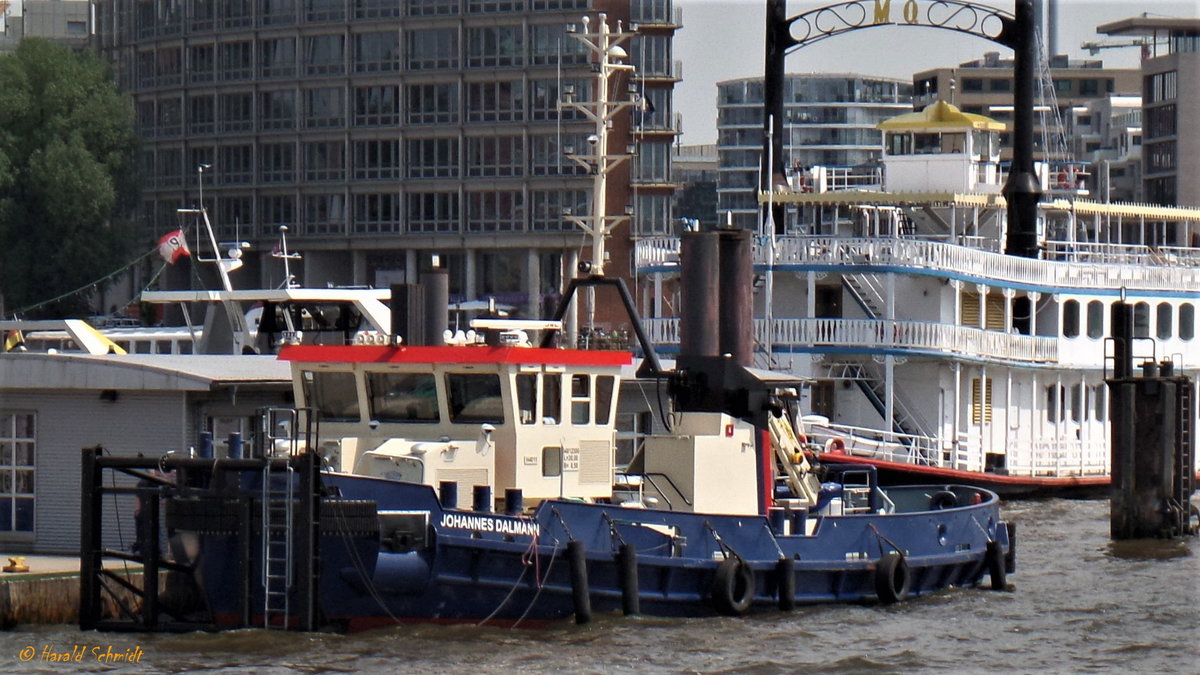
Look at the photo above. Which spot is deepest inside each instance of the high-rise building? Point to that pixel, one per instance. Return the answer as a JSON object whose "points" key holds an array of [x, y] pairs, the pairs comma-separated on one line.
{"points": [[1170, 88], [830, 120], [985, 87], [1107, 134], [380, 132], [66, 22]]}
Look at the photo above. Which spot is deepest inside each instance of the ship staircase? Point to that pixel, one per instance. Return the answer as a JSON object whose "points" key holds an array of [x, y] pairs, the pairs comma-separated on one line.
{"points": [[868, 292], [906, 422], [269, 503]]}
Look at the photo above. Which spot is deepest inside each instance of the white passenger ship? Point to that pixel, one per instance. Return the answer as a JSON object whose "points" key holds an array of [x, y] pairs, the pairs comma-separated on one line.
{"points": [[930, 350]]}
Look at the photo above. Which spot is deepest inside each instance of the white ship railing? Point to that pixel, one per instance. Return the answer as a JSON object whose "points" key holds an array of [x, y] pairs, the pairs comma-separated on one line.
{"points": [[877, 444], [1132, 270], [886, 334], [1058, 457]]}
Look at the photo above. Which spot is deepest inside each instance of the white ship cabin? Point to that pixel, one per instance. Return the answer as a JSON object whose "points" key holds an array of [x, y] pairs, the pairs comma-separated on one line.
{"points": [[926, 343], [541, 420], [941, 149]]}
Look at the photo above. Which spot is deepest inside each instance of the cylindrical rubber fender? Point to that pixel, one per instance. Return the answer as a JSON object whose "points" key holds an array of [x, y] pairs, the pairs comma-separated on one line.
{"points": [[995, 565], [627, 568], [733, 587], [580, 593], [892, 578], [943, 499], [1010, 558], [785, 569]]}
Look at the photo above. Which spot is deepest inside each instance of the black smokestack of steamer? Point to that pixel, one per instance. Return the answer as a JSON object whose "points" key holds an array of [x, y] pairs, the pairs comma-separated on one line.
{"points": [[717, 314], [715, 338]]}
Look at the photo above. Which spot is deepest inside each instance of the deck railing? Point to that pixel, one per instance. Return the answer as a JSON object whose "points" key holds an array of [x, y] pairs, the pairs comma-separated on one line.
{"points": [[1058, 457], [922, 336], [1063, 457], [1117, 268]]}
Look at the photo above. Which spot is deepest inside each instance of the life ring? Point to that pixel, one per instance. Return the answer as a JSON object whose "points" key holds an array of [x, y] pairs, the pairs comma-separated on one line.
{"points": [[943, 499], [891, 578], [733, 587], [835, 446], [996, 565]]}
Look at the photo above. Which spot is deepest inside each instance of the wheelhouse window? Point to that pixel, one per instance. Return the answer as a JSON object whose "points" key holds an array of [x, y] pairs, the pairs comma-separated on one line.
{"points": [[604, 398], [403, 397], [527, 396], [581, 399], [17, 450], [333, 395], [551, 398], [529, 393], [474, 398]]}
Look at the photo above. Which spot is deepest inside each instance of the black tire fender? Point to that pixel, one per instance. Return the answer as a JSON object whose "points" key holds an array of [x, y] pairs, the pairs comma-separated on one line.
{"points": [[732, 587], [892, 578], [997, 569], [943, 499]]}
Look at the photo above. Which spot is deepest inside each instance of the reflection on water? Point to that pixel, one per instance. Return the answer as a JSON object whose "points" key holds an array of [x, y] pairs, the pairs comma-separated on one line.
{"points": [[1078, 603], [1150, 549]]}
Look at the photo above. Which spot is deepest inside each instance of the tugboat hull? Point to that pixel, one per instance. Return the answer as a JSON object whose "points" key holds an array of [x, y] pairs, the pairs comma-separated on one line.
{"points": [[572, 559]]}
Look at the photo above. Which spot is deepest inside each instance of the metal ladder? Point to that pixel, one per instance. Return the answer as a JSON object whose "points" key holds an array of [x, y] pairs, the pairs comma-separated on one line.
{"points": [[278, 513], [1185, 465]]}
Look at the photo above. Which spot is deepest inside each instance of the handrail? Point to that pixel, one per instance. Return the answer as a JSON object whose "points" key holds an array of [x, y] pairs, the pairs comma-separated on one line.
{"points": [[650, 477], [924, 336], [1122, 268]]}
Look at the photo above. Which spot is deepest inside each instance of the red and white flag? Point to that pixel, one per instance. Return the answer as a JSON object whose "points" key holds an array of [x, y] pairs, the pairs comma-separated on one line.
{"points": [[173, 245]]}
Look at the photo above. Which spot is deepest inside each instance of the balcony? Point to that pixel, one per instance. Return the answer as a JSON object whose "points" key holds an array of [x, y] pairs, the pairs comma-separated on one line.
{"points": [[917, 338], [964, 262]]}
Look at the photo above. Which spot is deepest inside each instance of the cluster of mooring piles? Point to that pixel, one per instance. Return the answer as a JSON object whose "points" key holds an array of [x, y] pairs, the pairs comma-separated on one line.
{"points": [[1153, 441]]}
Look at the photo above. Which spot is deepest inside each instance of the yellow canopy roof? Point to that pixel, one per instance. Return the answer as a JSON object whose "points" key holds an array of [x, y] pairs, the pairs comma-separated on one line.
{"points": [[940, 115]]}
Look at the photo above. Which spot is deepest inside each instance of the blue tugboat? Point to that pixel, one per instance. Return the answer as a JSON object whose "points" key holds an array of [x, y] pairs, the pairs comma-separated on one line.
{"points": [[725, 515], [476, 481]]}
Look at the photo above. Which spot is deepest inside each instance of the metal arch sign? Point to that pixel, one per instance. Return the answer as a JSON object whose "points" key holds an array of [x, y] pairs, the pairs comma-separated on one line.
{"points": [[964, 17]]}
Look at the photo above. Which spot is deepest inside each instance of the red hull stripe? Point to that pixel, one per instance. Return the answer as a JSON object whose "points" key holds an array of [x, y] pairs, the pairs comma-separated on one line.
{"points": [[974, 476], [510, 355]]}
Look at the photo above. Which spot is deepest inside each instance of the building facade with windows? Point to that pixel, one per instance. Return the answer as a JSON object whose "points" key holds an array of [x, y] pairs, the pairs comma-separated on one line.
{"points": [[1170, 90], [380, 132], [66, 22], [1107, 134], [830, 121], [985, 87]]}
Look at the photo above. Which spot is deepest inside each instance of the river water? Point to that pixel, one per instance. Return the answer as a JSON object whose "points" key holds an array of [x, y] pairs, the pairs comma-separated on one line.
{"points": [[1078, 603]]}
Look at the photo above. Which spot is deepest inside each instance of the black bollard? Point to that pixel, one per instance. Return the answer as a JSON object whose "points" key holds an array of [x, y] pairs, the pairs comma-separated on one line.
{"points": [[514, 501], [483, 499], [448, 494]]}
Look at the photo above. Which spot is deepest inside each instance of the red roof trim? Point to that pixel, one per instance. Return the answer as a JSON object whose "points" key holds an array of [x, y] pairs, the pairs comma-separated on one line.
{"points": [[510, 355]]}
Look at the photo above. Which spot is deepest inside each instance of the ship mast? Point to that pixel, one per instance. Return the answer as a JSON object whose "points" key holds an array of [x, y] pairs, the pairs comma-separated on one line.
{"points": [[608, 56]]}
